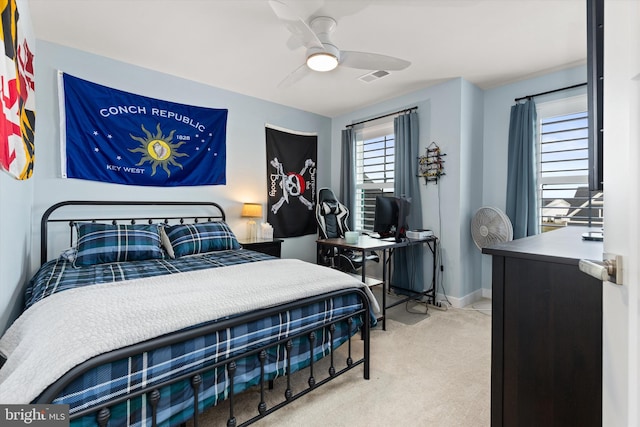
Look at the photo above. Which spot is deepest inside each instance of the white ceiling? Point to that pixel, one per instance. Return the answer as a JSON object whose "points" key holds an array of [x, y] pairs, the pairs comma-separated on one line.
{"points": [[241, 46]]}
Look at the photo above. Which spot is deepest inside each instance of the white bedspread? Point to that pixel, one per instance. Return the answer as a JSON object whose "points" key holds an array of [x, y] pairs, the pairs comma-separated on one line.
{"points": [[65, 329]]}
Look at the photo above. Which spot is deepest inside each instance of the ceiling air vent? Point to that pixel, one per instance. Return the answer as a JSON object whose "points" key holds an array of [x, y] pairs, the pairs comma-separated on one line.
{"points": [[374, 75]]}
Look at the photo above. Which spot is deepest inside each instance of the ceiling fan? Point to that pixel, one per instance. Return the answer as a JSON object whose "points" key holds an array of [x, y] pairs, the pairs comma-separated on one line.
{"points": [[322, 55]]}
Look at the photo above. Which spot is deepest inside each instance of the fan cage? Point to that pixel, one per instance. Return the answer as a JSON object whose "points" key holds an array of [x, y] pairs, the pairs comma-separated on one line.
{"points": [[490, 226]]}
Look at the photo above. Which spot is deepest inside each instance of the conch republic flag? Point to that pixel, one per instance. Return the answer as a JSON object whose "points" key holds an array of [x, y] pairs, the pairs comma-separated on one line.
{"points": [[118, 137], [17, 118], [291, 181]]}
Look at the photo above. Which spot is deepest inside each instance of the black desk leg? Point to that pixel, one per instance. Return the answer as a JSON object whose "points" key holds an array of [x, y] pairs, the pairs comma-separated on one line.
{"points": [[433, 279], [433, 290], [384, 290]]}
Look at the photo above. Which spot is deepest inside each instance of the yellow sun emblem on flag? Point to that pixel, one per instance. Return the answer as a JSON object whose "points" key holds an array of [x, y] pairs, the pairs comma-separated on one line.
{"points": [[158, 150]]}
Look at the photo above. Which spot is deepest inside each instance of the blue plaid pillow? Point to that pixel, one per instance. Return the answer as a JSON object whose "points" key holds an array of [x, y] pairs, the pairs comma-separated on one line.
{"points": [[103, 243], [190, 239]]}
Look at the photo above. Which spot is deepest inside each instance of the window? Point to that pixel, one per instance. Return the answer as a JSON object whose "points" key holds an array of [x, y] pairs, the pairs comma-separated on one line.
{"points": [[563, 156], [374, 169]]}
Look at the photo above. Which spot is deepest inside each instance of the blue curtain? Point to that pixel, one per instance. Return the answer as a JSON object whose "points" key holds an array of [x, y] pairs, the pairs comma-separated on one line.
{"points": [[522, 206], [347, 178], [408, 263]]}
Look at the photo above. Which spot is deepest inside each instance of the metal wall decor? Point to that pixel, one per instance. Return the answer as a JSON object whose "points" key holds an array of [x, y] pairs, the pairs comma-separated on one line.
{"points": [[431, 165]]}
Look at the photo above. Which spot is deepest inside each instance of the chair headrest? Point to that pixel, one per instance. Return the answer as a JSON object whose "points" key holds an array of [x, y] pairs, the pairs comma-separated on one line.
{"points": [[326, 195], [329, 207]]}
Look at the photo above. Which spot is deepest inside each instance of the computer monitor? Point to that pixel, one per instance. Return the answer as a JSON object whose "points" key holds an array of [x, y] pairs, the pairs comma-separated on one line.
{"points": [[385, 216], [390, 218], [404, 206]]}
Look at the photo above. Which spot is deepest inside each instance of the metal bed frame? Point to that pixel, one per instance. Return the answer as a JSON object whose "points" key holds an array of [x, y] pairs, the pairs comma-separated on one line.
{"points": [[153, 394]]}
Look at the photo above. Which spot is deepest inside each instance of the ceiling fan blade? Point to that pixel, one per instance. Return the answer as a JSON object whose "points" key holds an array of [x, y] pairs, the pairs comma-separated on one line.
{"points": [[371, 61], [295, 24], [297, 75], [294, 42]]}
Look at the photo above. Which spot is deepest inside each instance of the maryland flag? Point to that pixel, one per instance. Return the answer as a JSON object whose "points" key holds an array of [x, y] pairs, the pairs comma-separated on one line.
{"points": [[17, 118]]}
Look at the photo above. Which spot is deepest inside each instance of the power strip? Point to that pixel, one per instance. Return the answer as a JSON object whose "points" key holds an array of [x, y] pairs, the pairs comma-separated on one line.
{"points": [[438, 306]]}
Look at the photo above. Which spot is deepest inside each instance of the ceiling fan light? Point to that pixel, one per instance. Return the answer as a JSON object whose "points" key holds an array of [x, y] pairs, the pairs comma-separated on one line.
{"points": [[322, 61]]}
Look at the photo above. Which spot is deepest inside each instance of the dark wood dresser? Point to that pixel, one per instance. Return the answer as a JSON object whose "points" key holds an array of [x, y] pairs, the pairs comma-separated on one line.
{"points": [[546, 361]]}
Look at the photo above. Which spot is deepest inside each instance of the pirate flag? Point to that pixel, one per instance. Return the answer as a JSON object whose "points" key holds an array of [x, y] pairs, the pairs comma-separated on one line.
{"points": [[291, 182]]}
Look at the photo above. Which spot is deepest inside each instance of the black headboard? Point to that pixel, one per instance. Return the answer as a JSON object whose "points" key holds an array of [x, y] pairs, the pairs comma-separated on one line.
{"points": [[111, 211]]}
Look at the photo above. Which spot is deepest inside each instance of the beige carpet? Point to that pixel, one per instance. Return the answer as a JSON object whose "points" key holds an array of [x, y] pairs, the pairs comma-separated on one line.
{"points": [[431, 369]]}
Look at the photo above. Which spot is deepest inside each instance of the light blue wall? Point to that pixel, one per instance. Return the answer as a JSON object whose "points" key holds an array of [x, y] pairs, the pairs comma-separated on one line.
{"points": [[497, 108], [471, 127], [246, 154], [15, 244], [450, 115], [471, 187]]}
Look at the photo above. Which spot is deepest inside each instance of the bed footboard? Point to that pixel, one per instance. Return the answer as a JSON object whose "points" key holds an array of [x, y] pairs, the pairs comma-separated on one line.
{"points": [[202, 396]]}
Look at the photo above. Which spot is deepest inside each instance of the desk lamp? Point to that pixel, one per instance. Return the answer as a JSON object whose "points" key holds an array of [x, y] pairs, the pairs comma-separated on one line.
{"points": [[252, 210]]}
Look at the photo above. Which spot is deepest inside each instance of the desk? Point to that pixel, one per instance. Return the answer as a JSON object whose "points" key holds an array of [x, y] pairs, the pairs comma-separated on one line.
{"points": [[366, 244]]}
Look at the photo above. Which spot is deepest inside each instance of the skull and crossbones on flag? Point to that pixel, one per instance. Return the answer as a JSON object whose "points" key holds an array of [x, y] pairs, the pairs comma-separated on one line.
{"points": [[291, 182]]}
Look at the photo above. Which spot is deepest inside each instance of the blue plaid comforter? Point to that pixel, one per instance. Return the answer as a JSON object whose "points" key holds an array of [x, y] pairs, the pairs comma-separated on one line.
{"points": [[121, 377], [59, 274]]}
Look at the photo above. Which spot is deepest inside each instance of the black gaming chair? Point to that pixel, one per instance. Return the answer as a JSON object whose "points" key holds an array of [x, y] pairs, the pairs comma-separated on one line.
{"points": [[331, 216]]}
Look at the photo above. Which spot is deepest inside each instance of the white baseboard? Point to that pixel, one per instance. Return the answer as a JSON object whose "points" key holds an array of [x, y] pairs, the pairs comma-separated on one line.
{"points": [[467, 299]]}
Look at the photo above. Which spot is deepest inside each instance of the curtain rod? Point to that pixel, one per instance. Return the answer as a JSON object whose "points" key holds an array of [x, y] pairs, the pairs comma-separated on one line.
{"points": [[550, 91], [380, 117]]}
